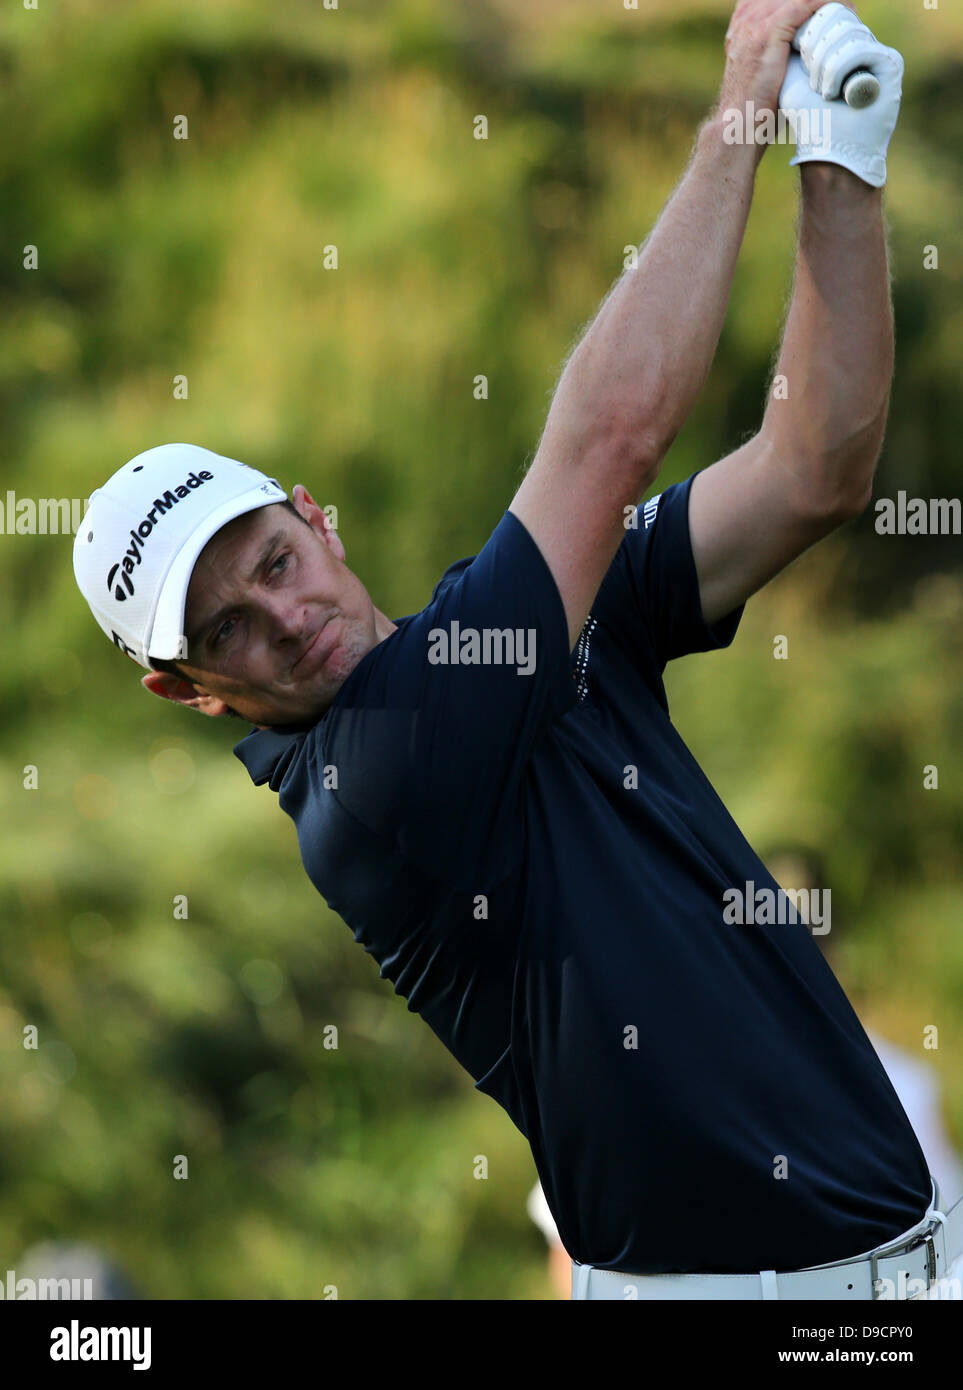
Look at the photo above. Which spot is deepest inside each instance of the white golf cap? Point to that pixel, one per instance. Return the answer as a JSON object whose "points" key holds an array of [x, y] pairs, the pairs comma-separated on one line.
{"points": [[140, 537]]}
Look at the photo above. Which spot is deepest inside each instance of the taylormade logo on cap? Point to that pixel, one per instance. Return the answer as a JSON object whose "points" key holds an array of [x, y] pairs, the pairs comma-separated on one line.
{"points": [[142, 533], [132, 555]]}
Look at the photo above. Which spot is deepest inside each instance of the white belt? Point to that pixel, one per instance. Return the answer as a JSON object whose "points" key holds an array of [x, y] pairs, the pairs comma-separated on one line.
{"points": [[924, 1254]]}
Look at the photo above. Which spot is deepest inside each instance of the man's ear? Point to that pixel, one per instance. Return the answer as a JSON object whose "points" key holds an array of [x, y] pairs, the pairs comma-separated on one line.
{"points": [[182, 692], [318, 520]]}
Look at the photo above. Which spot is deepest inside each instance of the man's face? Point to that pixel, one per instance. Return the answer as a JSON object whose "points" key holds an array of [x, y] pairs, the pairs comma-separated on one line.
{"points": [[275, 621]]}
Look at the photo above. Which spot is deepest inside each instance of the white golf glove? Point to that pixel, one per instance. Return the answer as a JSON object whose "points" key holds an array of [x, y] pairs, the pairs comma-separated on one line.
{"points": [[833, 43]]}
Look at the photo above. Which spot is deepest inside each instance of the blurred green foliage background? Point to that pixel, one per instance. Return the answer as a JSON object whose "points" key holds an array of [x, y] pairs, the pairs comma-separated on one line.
{"points": [[312, 1166]]}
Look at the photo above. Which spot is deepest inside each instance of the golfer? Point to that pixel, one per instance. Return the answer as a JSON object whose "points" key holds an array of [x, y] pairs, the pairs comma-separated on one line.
{"points": [[490, 791]]}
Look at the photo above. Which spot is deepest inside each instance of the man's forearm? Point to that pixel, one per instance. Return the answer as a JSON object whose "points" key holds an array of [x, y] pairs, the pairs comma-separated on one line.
{"points": [[828, 418], [645, 357]]}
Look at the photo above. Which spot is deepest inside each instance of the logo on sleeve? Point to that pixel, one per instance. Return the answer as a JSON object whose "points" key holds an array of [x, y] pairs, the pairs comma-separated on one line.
{"points": [[650, 509]]}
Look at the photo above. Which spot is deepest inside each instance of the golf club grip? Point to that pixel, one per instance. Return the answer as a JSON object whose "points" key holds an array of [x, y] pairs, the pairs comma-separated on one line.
{"points": [[858, 95], [867, 94]]}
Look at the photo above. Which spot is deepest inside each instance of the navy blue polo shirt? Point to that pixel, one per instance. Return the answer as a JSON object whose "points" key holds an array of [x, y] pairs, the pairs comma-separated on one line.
{"points": [[534, 858]]}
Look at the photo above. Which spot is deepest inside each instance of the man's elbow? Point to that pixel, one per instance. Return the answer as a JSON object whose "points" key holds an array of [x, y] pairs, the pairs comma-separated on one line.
{"points": [[851, 509], [835, 482], [636, 429], [626, 459], [850, 489], [642, 448], [840, 499]]}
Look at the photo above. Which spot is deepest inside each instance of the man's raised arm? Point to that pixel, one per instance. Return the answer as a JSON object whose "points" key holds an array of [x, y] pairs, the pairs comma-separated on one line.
{"points": [[810, 468], [628, 387]]}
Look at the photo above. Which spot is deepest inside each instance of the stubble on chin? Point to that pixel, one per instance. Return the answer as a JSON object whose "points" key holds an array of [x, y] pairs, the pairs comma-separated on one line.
{"points": [[326, 684]]}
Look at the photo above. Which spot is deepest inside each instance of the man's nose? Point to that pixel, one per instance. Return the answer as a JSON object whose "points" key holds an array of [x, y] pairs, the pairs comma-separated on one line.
{"points": [[287, 618]]}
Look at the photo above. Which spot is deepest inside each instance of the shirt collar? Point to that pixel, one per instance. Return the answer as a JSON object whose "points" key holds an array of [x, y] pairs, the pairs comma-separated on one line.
{"points": [[263, 749]]}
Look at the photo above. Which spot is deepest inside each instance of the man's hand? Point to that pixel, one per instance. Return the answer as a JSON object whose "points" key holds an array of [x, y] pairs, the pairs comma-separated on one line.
{"points": [[825, 128], [757, 52]]}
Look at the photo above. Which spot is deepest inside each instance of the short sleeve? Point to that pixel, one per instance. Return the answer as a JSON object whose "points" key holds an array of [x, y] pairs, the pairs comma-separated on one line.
{"points": [[435, 740], [649, 598]]}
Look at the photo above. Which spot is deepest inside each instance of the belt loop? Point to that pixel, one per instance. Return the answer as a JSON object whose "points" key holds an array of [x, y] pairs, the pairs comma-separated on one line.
{"points": [[770, 1288], [580, 1279]]}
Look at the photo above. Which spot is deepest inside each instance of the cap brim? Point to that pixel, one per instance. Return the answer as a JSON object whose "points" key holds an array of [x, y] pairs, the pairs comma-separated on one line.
{"points": [[168, 641]]}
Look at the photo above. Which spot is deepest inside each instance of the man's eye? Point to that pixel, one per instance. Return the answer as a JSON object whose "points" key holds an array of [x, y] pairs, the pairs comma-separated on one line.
{"points": [[224, 632]]}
